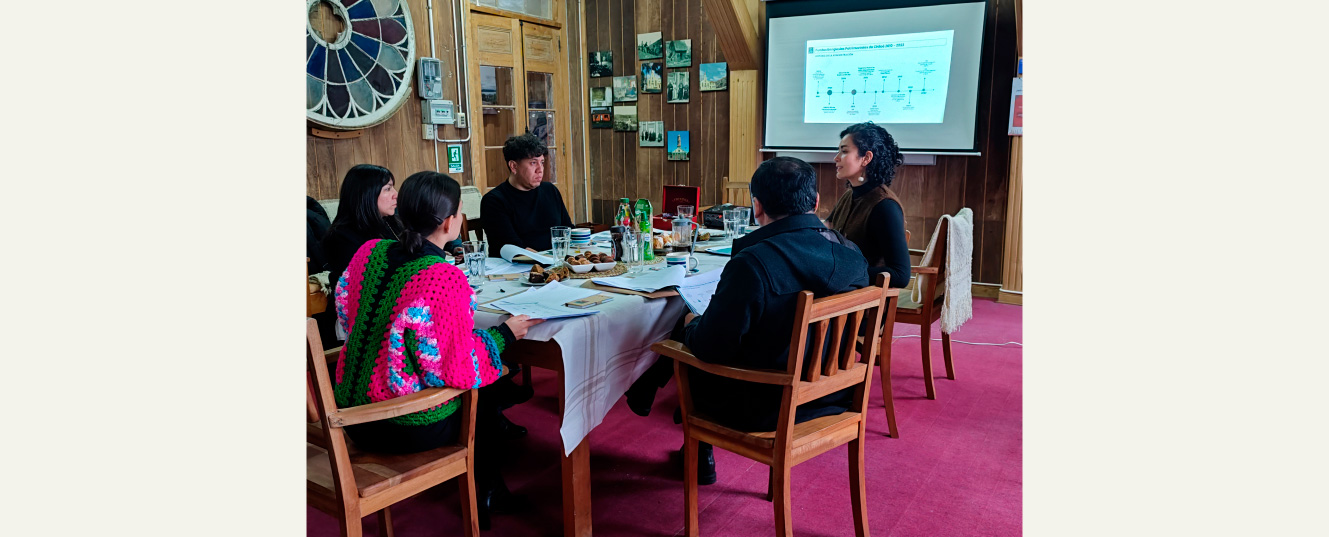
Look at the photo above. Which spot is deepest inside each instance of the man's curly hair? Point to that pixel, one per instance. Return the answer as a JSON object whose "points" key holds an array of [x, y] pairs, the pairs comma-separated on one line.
{"points": [[886, 155], [518, 148]]}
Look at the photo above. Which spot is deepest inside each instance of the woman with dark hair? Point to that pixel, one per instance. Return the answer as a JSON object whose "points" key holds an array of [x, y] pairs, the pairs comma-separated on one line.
{"points": [[869, 213], [409, 315], [367, 210]]}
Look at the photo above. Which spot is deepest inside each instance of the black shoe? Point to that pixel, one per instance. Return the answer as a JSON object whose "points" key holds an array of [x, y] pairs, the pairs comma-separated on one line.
{"points": [[498, 500], [507, 393], [705, 464], [508, 430], [641, 395]]}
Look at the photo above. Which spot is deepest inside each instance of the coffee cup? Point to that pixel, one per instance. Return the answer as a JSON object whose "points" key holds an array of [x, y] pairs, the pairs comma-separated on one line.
{"points": [[682, 259]]}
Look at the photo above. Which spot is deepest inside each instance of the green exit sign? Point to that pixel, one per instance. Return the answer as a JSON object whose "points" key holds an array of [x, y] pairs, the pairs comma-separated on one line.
{"points": [[454, 159]]}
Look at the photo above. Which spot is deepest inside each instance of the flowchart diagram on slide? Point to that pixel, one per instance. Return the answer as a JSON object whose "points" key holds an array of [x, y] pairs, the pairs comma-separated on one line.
{"points": [[887, 79]]}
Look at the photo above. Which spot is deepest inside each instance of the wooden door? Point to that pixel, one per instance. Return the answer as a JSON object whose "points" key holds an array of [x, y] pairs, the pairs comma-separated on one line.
{"points": [[497, 86], [519, 77]]}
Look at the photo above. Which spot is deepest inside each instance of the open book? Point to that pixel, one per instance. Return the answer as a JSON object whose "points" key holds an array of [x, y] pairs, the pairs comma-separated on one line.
{"points": [[516, 254]]}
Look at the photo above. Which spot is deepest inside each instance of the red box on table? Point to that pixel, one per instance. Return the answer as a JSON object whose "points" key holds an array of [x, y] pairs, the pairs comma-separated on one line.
{"points": [[675, 195]]}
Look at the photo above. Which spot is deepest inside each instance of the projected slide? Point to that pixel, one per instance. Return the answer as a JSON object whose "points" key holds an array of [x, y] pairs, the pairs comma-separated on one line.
{"points": [[886, 79]]}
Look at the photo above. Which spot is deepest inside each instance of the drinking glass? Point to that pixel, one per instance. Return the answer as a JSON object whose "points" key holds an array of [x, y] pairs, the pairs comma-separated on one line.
{"points": [[474, 254], [631, 249], [644, 243], [561, 239], [745, 219], [687, 211], [733, 219]]}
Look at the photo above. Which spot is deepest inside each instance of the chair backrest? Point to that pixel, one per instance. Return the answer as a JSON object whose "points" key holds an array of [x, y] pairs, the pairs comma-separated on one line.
{"points": [[737, 192], [319, 402], [472, 224], [828, 327], [939, 249]]}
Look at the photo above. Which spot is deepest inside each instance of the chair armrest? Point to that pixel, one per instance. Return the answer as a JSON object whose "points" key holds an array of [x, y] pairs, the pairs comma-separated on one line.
{"points": [[399, 406], [680, 352], [923, 270]]}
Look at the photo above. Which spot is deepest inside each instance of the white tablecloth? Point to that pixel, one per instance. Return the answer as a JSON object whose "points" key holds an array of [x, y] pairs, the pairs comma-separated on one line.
{"points": [[603, 354]]}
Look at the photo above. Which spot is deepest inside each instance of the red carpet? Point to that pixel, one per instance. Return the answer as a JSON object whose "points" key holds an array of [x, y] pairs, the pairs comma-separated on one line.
{"points": [[956, 470]]}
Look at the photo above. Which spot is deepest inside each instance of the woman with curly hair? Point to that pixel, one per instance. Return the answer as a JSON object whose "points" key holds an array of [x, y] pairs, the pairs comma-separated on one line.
{"points": [[869, 213]]}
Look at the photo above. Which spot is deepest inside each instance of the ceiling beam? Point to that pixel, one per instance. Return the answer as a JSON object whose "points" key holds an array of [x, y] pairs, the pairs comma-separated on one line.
{"points": [[737, 32]]}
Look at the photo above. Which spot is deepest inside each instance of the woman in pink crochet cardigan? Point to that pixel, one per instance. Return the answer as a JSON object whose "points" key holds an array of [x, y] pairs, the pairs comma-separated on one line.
{"points": [[409, 315]]}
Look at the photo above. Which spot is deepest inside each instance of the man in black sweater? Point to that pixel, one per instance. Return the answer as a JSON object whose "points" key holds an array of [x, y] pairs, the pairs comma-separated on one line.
{"points": [[750, 317], [521, 210]]}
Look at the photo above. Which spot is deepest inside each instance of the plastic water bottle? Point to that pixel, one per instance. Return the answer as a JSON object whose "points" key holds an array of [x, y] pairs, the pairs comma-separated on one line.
{"points": [[644, 212]]}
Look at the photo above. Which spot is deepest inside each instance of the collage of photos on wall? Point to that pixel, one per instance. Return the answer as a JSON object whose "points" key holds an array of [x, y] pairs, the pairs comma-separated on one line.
{"points": [[652, 79]]}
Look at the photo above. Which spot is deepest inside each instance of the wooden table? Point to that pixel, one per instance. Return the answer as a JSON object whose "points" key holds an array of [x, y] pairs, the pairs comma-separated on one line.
{"points": [[576, 465], [656, 320]]}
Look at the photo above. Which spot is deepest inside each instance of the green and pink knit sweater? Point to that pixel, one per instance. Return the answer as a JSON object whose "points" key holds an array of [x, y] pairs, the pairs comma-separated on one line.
{"points": [[410, 324]]}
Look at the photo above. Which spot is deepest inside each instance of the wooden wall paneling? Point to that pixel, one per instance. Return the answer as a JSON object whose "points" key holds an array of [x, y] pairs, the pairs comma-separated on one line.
{"points": [[577, 123], [744, 94], [698, 111], [647, 19], [628, 140], [1012, 271]]}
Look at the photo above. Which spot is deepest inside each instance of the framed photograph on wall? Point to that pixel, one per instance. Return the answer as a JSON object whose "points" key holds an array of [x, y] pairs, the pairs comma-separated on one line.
{"points": [[602, 63], [602, 117], [601, 97], [650, 46], [678, 145], [679, 92], [652, 77], [678, 53], [625, 88], [625, 118], [714, 77], [651, 133]]}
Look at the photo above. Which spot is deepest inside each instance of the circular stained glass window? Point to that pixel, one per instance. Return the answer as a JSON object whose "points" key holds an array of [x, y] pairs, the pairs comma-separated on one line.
{"points": [[358, 76]]}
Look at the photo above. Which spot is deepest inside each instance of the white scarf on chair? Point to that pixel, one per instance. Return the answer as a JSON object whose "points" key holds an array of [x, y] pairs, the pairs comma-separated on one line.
{"points": [[958, 304]]}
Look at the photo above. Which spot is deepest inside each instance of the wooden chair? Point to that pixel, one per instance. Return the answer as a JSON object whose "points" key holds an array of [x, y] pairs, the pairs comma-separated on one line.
{"points": [[931, 281], [349, 484], [472, 224], [792, 443], [316, 301]]}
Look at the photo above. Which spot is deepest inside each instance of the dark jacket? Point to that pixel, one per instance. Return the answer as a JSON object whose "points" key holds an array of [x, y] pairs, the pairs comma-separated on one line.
{"points": [[750, 317], [316, 227], [342, 241], [522, 218]]}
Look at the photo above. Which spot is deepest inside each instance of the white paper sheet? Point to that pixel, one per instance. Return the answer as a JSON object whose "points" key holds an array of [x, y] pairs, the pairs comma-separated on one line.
{"points": [[495, 266], [546, 302], [697, 291], [510, 251], [647, 281]]}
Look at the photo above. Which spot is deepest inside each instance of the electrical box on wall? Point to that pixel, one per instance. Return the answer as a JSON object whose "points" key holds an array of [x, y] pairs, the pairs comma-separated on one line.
{"points": [[431, 78], [437, 112]]}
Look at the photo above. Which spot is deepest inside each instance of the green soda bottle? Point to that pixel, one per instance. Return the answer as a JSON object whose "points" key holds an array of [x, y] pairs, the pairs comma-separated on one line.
{"points": [[644, 212], [624, 215]]}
